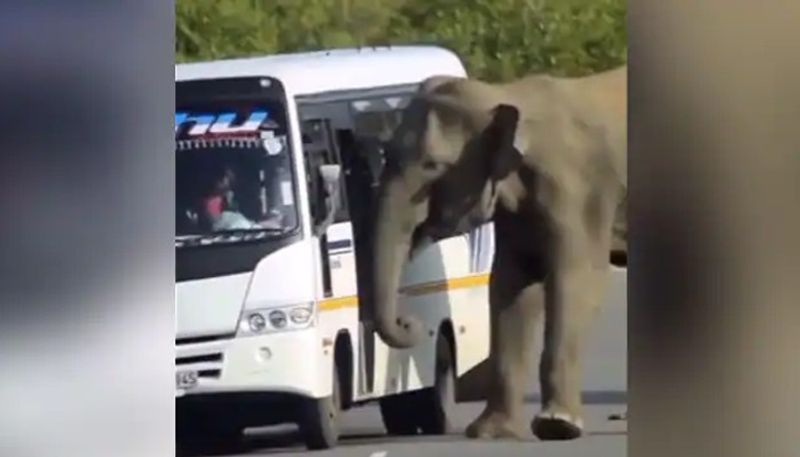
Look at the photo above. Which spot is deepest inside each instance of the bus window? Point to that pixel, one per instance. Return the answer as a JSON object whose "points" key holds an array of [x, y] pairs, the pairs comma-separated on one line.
{"points": [[320, 148], [378, 124]]}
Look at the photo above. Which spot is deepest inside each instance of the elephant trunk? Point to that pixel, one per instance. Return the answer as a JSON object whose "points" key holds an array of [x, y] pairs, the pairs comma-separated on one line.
{"points": [[394, 227]]}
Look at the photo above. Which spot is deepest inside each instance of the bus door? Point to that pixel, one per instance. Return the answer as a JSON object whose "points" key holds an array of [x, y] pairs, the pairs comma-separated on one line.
{"points": [[336, 242]]}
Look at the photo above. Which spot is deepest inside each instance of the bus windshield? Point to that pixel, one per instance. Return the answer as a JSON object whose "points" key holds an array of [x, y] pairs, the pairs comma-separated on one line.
{"points": [[234, 178]]}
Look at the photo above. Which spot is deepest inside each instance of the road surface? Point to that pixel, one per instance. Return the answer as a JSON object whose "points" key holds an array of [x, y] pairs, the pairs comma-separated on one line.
{"points": [[364, 437]]}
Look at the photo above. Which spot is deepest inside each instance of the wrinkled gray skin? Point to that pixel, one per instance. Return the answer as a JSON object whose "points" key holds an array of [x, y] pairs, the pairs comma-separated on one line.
{"points": [[545, 159]]}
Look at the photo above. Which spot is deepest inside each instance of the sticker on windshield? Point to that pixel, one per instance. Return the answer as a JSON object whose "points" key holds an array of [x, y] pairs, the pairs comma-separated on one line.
{"points": [[226, 124], [274, 146], [286, 193]]}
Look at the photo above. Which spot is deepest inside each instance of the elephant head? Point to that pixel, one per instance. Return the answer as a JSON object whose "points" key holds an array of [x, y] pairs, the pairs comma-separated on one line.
{"points": [[456, 140]]}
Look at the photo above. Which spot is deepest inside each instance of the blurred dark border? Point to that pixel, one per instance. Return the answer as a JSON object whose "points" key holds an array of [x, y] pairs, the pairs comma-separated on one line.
{"points": [[86, 248]]}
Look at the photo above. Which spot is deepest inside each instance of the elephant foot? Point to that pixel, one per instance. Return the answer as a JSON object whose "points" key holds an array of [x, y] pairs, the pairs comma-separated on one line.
{"points": [[552, 426], [494, 425]]}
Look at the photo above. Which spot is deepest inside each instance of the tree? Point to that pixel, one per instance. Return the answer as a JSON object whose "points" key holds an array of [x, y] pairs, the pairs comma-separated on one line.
{"points": [[497, 39]]}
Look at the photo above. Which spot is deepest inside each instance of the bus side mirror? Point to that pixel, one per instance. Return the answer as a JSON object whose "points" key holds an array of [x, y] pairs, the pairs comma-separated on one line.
{"points": [[331, 179]]}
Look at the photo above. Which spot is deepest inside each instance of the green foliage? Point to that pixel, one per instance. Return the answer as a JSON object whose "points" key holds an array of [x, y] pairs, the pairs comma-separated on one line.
{"points": [[497, 39]]}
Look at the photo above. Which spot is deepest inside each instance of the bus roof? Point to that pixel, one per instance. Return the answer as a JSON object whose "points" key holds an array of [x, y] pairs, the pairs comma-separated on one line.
{"points": [[336, 69]]}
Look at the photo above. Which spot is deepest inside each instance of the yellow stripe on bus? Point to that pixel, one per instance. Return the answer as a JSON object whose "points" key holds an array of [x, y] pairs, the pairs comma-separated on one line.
{"points": [[449, 284], [415, 290], [331, 304]]}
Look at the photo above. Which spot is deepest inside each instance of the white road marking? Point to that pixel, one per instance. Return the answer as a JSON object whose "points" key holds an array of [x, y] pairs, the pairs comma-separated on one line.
{"points": [[378, 454]]}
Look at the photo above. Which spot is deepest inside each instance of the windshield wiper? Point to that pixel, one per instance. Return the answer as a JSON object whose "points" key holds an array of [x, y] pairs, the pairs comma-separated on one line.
{"points": [[228, 236], [187, 237]]}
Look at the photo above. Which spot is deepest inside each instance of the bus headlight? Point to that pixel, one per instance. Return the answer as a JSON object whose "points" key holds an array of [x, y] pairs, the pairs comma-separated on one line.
{"points": [[257, 322], [300, 314], [276, 319]]}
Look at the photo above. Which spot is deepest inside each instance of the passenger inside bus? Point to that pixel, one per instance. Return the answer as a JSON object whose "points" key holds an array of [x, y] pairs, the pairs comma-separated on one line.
{"points": [[228, 185], [221, 209], [221, 196]]}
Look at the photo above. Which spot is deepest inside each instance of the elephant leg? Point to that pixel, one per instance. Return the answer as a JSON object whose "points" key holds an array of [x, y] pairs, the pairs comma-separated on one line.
{"points": [[515, 306], [573, 293]]}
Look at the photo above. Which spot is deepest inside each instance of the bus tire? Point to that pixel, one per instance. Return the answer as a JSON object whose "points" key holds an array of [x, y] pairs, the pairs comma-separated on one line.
{"points": [[319, 425], [436, 404], [399, 414]]}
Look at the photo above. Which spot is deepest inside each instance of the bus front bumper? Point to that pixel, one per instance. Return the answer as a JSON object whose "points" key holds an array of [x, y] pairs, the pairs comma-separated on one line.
{"points": [[292, 362]]}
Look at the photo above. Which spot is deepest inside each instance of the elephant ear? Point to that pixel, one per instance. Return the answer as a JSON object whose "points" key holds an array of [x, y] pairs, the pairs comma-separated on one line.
{"points": [[504, 157]]}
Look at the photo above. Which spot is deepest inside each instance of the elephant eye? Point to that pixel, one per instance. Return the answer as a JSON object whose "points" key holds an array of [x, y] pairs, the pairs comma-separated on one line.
{"points": [[430, 165]]}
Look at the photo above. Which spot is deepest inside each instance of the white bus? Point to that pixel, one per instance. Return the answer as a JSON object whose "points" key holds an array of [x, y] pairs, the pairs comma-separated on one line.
{"points": [[273, 321]]}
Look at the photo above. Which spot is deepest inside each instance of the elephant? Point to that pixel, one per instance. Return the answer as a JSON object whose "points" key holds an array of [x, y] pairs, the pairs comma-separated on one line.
{"points": [[544, 158]]}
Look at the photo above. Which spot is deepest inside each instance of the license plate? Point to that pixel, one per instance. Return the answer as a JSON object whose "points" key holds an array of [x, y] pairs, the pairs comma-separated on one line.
{"points": [[186, 379]]}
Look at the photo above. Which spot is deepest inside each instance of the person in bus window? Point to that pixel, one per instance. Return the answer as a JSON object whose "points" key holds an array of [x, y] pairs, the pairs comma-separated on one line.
{"points": [[220, 196], [221, 210]]}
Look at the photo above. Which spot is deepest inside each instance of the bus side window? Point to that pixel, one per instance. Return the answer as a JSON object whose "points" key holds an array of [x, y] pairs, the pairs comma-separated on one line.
{"points": [[321, 149], [377, 124]]}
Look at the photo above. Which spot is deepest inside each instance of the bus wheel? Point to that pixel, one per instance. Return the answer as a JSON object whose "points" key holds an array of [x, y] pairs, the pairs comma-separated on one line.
{"points": [[319, 424], [399, 414], [436, 405]]}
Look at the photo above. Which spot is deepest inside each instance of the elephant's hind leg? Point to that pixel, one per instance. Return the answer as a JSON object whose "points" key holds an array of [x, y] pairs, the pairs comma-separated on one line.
{"points": [[560, 367], [515, 306], [573, 294]]}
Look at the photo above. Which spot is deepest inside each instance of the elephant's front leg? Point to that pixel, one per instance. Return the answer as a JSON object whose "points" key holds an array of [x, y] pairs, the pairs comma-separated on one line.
{"points": [[515, 306], [574, 291]]}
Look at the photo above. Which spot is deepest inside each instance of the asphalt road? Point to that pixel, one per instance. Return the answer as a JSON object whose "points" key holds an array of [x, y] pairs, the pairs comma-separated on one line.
{"points": [[604, 395], [364, 437]]}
